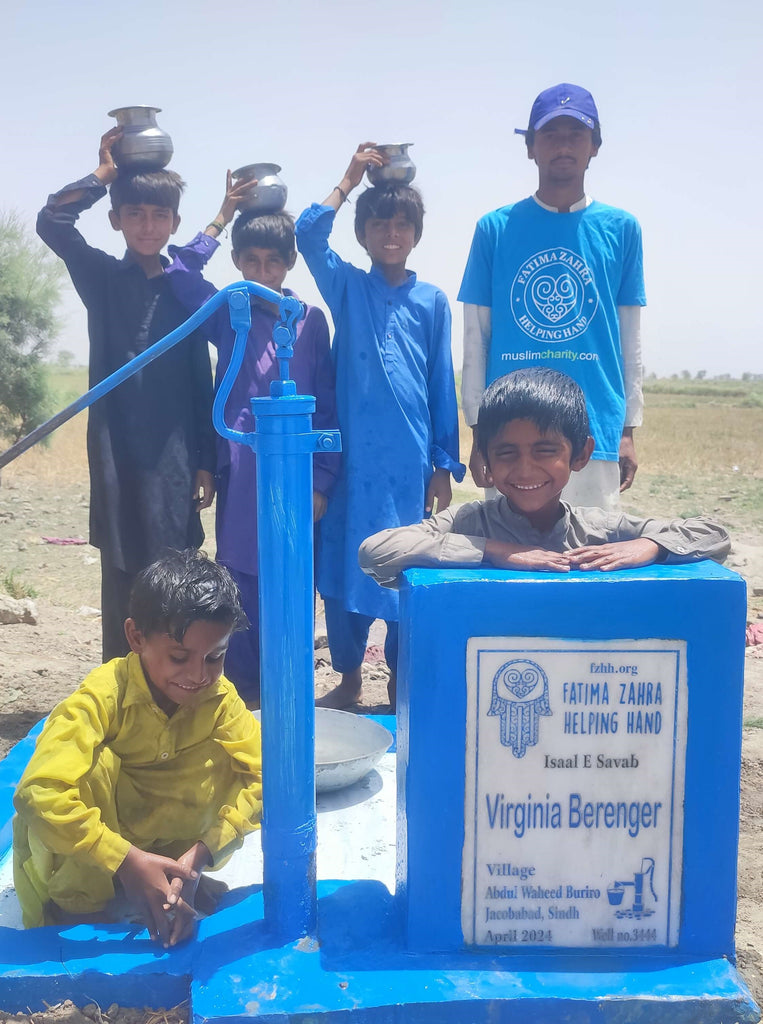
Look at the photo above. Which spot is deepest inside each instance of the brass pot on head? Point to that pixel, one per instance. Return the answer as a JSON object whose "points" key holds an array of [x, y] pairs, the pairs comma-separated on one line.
{"points": [[269, 194], [144, 145], [400, 170]]}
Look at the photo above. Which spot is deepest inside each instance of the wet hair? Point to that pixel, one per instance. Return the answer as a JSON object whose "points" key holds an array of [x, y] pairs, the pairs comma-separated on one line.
{"points": [[265, 231], [551, 400], [385, 202], [595, 133], [156, 188], [183, 587]]}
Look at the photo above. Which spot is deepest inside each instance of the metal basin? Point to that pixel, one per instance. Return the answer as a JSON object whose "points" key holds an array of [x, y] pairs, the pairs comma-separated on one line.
{"points": [[347, 747]]}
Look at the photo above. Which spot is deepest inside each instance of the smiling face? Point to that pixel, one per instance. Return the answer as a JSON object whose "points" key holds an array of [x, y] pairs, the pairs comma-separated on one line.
{"points": [[389, 241], [263, 266], [531, 468], [562, 149], [146, 228], [179, 671]]}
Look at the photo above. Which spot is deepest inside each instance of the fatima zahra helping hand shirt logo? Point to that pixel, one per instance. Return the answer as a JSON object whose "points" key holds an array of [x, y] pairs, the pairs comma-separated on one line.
{"points": [[553, 295]]}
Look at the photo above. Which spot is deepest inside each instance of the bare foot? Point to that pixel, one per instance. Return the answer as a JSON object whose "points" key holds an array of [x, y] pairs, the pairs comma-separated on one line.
{"points": [[209, 892], [346, 693]]}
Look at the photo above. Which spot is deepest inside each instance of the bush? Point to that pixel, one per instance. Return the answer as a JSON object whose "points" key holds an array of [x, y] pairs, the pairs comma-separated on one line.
{"points": [[30, 286]]}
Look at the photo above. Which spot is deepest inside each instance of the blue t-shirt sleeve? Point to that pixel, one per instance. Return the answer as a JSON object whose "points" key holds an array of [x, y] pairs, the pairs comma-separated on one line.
{"points": [[631, 292], [477, 283]]}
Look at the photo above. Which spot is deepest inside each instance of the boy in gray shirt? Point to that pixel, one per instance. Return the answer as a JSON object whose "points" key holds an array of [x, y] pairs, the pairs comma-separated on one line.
{"points": [[533, 433]]}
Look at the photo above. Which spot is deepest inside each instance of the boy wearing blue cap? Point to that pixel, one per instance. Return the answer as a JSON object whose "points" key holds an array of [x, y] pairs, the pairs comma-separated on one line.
{"points": [[556, 280]]}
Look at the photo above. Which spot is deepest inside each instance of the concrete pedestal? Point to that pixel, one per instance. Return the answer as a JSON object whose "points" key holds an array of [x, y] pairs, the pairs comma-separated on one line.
{"points": [[465, 707]]}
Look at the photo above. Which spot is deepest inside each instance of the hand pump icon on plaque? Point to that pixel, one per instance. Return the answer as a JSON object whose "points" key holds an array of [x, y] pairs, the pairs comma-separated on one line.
{"points": [[638, 909]]}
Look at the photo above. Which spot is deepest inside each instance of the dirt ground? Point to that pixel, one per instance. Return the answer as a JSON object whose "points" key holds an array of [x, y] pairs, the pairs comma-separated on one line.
{"points": [[42, 663]]}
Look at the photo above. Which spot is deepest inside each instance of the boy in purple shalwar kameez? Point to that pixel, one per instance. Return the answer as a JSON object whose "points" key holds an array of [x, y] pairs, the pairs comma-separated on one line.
{"points": [[264, 251], [396, 403]]}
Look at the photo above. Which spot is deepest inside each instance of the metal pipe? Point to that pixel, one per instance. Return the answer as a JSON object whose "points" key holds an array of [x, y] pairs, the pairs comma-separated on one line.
{"points": [[133, 366], [284, 443]]}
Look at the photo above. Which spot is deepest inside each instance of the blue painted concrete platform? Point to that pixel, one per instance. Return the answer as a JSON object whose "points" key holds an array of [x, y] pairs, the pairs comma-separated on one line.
{"points": [[358, 972]]}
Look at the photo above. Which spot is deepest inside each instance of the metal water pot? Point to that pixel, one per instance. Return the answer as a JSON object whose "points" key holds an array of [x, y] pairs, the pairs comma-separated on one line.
{"points": [[144, 145], [400, 170], [269, 195]]}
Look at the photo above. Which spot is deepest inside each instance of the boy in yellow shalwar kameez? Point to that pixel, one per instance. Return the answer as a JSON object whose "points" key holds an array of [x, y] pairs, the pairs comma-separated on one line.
{"points": [[151, 770]]}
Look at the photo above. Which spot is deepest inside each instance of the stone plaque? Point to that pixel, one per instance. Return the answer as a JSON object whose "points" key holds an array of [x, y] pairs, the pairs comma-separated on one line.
{"points": [[574, 792]]}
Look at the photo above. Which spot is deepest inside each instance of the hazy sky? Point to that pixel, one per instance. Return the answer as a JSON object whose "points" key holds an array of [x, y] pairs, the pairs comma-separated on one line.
{"points": [[678, 85]]}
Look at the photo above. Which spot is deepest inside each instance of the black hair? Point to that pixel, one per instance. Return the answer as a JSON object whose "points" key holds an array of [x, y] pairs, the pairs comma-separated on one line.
{"points": [[265, 231], [551, 400], [385, 202], [595, 135], [181, 588], [158, 188]]}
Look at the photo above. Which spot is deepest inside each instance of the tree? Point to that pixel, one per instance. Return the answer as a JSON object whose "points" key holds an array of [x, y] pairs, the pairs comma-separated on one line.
{"points": [[30, 288]]}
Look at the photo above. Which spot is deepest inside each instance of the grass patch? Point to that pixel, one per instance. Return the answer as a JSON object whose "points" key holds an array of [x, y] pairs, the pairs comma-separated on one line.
{"points": [[700, 457], [63, 455], [66, 384], [17, 588], [753, 723]]}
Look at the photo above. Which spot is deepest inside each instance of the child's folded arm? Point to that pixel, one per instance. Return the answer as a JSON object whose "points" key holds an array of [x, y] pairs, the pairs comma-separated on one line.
{"points": [[238, 733], [525, 557], [49, 798], [679, 540], [431, 543]]}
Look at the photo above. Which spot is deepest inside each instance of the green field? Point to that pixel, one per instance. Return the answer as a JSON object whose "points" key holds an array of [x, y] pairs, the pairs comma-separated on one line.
{"points": [[699, 452], [699, 449]]}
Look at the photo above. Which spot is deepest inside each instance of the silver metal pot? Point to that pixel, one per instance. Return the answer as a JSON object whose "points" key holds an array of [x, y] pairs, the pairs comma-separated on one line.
{"points": [[347, 747], [144, 145], [269, 195], [401, 169]]}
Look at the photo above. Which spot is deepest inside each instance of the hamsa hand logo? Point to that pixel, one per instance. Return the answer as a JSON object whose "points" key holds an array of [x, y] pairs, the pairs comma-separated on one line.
{"points": [[519, 698], [553, 295]]}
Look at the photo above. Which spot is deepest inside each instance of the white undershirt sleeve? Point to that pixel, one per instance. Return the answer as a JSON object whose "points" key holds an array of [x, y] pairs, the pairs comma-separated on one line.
{"points": [[630, 346], [477, 331]]}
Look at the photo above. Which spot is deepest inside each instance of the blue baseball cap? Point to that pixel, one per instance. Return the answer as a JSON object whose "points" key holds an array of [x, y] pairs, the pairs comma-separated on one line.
{"points": [[562, 100]]}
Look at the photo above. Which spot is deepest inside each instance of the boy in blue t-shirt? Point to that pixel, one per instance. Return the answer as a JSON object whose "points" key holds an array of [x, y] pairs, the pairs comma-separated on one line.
{"points": [[396, 405], [556, 280]]}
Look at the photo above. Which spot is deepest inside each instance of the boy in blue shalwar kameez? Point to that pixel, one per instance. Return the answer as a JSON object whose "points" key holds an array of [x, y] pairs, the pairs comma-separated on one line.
{"points": [[396, 405]]}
